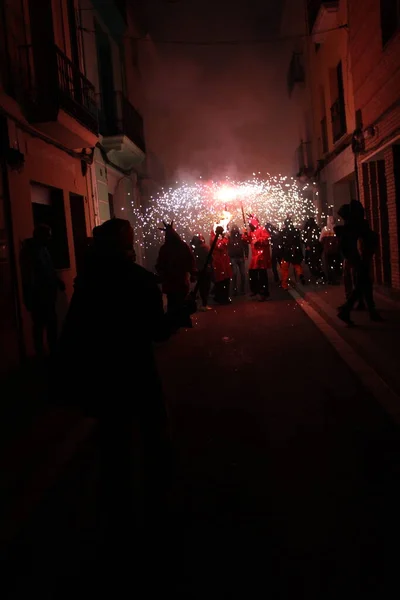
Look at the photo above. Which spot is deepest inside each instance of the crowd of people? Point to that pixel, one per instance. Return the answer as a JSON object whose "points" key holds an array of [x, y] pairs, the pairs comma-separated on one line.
{"points": [[218, 269], [117, 313]]}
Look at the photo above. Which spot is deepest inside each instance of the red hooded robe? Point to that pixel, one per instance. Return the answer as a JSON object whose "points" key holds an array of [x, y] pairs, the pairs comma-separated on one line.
{"points": [[260, 246], [221, 261]]}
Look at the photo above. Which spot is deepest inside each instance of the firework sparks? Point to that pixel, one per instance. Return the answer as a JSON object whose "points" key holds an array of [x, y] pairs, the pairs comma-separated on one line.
{"points": [[194, 208]]}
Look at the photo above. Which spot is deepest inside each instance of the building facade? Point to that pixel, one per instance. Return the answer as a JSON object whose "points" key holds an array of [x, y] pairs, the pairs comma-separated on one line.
{"points": [[72, 138], [374, 37], [351, 85]]}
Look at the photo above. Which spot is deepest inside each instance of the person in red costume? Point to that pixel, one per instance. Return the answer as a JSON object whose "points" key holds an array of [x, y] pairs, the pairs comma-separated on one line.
{"points": [[222, 267], [176, 266], [258, 238]]}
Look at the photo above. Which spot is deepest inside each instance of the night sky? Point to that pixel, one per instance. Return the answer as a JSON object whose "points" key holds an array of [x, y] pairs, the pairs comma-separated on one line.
{"points": [[219, 110]]}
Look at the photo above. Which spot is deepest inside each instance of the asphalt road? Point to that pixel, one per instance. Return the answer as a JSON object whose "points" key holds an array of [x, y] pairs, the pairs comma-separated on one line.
{"points": [[285, 485]]}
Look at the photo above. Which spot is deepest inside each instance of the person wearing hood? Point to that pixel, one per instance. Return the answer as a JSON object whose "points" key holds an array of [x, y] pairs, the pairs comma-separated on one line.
{"points": [[358, 244], [105, 364], [276, 242], [221, 267], [292, 253], [259, 240], [311, 239], [237, 253], [176, 267], [330, 252], [40, 286], [205, 271]]}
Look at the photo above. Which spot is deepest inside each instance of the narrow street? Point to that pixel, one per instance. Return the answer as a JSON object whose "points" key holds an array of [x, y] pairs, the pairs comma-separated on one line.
{"points": [[286, 479]]}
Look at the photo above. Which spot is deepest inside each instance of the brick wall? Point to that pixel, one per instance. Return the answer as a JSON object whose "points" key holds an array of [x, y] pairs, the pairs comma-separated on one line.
{"points": [[376, 72], [376, 80]]}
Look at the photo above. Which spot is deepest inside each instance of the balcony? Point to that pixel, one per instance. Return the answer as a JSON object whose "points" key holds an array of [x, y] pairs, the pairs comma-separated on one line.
{"points": [[296, 73], [321, 17], [121, 127], [56, 97], [339, 125]]}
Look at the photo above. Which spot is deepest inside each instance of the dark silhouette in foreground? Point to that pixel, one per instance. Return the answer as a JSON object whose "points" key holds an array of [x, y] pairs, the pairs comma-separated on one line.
{"points": [[205, 269], [176, 266], [358, 245], [106, 366], [40, 284]]}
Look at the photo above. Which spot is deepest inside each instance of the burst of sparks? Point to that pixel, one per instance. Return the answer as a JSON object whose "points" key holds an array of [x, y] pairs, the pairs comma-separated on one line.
{"points": [[195, 208]]}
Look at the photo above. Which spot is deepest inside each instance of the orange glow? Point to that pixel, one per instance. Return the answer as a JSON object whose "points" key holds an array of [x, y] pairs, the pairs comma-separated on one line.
{"points": [[226, 194]]}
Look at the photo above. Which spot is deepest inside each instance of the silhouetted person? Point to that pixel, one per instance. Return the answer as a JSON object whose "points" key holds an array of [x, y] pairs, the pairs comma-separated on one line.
{"points": [[175, 266], [311, 234], [292, 253], [276, 244], [358, 245], [106, 366], [40, 284], [330, 252], [237, 253], [205, 273]]}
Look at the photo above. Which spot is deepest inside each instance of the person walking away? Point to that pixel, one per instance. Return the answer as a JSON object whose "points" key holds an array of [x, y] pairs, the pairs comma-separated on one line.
{"points": [[201, 251], [349, 273], [276, 243], [358, 245], [313, 248], [292, 253], [237, 252], [40, 284], [331, 252], [176, 266], [259, 240], [222, 268], [106, 365]]}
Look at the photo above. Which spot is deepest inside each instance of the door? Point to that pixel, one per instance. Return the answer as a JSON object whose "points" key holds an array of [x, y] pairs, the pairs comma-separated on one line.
{"points": [[78, 229], [111, 203]]}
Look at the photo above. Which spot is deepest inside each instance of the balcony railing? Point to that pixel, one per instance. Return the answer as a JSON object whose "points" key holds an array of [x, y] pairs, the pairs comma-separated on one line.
{"points": [[75, 89], [49, 81], [324, 135], [338, 114], [119, 117]]}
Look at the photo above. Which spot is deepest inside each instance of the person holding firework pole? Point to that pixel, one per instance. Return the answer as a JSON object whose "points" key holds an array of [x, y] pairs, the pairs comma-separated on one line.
{"points": [[259, 240], [221, 263]]}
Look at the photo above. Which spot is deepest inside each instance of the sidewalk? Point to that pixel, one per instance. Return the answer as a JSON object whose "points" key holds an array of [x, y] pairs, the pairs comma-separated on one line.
{"points": [[36, 442], [377, 343]]}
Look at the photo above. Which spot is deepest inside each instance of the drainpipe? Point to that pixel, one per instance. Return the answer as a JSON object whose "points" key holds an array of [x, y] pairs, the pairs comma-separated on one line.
{"points": [[357, 145], [4, 145]]}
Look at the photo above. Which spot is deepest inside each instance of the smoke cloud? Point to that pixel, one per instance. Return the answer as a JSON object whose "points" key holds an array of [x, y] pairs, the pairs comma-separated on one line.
{"points": [[219, 111]]}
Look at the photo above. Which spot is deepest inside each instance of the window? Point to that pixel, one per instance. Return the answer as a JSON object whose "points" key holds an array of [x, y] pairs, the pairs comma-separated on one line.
{"points": [[338, 110], [390, 19], [48, 208]]}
